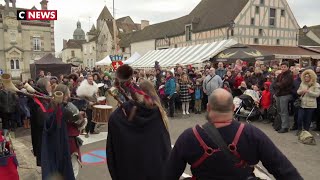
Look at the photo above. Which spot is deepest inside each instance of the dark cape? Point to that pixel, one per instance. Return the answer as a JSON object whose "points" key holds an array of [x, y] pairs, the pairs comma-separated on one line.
{"points": [[36, 120], [55, 153], [137, 150]]}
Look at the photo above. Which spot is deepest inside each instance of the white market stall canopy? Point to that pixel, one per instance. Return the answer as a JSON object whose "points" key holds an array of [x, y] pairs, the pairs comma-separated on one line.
{"points": [[104, 62], [183, 56], [133, 58]]}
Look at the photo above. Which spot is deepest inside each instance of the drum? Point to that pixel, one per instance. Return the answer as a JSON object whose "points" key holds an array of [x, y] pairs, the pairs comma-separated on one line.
{"points": [[102, 100], [101, 114]]}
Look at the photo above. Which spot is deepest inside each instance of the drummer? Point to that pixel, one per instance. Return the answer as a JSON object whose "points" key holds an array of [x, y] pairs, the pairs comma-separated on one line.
{"points": [[88, 89]]}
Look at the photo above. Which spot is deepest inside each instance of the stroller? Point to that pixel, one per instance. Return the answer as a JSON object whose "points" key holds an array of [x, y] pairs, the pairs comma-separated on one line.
{"points": [[247, 109]]}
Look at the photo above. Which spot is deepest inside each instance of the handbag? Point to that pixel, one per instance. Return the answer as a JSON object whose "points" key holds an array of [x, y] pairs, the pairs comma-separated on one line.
{"points": [[297, 103]]}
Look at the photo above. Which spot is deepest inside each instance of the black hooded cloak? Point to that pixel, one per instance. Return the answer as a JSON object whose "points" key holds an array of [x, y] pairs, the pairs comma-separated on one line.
{"points": [[138, 149]]}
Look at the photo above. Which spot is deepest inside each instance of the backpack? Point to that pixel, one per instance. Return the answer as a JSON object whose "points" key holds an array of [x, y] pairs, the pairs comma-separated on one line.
{"points": [[306, 137]]}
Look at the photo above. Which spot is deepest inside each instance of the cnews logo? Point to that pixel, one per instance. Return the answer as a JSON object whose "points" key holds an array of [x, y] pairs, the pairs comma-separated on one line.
{"points": [[32, 15]]}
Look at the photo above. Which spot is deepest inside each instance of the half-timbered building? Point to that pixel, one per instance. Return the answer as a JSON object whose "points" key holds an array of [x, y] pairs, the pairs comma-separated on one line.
{"points": [[253, 22]]}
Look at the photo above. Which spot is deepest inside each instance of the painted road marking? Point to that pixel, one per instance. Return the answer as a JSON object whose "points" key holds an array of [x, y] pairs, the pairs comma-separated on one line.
{"points": [[94, 157], [97, 157]]}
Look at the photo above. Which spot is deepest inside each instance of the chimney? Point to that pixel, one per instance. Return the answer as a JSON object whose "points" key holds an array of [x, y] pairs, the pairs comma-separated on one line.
{"points": [[64, 43], [13, 3], [144, 23], [44, 5]]}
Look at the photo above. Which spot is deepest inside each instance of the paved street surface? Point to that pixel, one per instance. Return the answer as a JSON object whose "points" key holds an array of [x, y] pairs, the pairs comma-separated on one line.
{"points": [[305, 158]]}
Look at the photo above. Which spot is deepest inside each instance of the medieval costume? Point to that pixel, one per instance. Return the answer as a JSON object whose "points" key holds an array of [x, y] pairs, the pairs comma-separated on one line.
{"points": [[36, 120], [8, 107], [55, 152], [89, 92], [138, 142], [137, 149]]}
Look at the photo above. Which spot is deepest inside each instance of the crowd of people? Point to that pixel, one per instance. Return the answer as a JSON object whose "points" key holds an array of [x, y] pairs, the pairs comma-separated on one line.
{"points": [[181, 89]]}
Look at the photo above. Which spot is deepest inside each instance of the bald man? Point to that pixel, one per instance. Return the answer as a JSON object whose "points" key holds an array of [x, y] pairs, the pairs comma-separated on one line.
{"points": [[252, 145]]}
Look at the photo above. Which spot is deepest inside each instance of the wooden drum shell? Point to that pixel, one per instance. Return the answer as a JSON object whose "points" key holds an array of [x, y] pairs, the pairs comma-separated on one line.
{"points": [[101, 114]]}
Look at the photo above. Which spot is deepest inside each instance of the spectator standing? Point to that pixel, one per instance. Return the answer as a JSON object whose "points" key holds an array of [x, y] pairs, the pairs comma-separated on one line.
{"points": [[266, 100], [283, 86], [170, 92], [185, 95], [221, 71], [198, 95], [211, 82], [309, 91]]}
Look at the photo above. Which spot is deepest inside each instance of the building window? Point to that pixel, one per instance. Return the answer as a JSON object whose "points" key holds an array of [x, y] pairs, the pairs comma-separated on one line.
{"points": [[72, 54], [272, 19], [36, 44], [188, 32], [13, 37], [260, 32], [232, 32], [278, 41], [252, 21], [256, 40], [283, 12], [262, 2], [12, 64], [257, 9], [17, 64]]}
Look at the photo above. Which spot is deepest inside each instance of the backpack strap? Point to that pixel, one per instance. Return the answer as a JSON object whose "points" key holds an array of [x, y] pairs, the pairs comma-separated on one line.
{"points": [[208, 151], [233, 146], [36, 100]]}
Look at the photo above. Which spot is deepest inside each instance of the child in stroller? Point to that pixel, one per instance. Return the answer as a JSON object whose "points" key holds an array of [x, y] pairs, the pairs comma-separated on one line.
{"points": [[249, 105]]}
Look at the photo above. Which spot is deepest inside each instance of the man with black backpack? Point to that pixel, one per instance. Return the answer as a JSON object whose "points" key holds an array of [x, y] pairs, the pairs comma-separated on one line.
{"points": [[226, 149], [8, 106]]}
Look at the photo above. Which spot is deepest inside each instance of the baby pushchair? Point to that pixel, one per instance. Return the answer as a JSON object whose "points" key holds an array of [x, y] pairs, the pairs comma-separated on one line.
{"points": [[247, 109]]}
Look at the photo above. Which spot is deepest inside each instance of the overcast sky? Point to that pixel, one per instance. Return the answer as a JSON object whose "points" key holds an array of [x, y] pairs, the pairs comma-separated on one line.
{"points": [[70, 11]]}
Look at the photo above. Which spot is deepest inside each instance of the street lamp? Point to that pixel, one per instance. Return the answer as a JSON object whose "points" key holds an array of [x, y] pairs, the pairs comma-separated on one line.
{"points": [[231, 27]]}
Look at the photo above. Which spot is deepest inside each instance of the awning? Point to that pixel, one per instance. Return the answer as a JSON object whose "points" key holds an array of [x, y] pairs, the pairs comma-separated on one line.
{"points": [[104, 62], [133, 58], [243, 52], [183, 56], [288, 52]]}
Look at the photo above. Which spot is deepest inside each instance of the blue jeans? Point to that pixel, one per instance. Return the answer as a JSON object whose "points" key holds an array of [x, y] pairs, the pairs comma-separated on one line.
{"points": [[304, 118], [282, 107]]}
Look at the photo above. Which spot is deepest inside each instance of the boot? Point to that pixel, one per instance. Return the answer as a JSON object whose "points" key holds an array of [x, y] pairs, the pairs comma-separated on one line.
{"points": [[28, 124], [25, 123]]}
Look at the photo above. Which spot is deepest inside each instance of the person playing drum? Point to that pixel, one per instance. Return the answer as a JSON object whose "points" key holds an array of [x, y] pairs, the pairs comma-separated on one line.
{"points": [[88, 90]]}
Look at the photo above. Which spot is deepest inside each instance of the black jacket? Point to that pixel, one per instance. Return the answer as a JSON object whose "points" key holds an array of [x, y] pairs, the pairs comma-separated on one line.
{"points": [[8, 101], [138, 149], [284, 84], [253, 146], [37, 117]]}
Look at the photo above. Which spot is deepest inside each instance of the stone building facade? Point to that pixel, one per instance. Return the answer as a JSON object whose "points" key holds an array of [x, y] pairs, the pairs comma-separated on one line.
{"points": [[23, 42]]}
